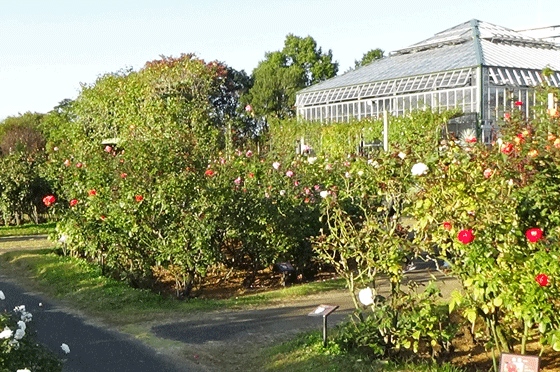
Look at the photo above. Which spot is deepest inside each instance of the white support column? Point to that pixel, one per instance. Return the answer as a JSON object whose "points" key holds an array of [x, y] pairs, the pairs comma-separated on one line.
{"points": [[385, 130]]}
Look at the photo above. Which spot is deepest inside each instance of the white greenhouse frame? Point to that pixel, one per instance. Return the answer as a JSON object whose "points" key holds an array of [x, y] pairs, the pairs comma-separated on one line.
{"points": [[488, 91]]}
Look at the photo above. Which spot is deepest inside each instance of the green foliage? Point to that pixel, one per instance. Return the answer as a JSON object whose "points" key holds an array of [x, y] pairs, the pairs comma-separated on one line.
{"points": [[423, 323], [129, 154], [21, 134], [363, 238], [22, 187], [418, 132], [499, 194], [368, 57], [277, 79]]}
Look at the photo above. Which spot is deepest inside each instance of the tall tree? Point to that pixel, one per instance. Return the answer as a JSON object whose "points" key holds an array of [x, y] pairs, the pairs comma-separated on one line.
{"points": [[277, 79], [21, 134], [369, 57]]}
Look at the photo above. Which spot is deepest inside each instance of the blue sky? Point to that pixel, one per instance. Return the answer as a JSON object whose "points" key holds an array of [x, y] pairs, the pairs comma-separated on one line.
{"points": [[49, 48]]}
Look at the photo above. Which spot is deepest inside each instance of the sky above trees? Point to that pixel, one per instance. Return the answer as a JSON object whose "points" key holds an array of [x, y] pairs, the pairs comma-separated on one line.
{"points": [[50, 48]]}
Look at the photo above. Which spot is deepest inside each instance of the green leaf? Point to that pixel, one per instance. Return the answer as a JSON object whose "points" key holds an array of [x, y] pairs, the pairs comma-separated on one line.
{"points": [[456, 300], [471, 315], [498, 301]]}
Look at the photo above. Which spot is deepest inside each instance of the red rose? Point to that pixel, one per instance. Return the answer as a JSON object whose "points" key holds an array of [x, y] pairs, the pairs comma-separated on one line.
{"points": [[123, 175], [209, 172], [447, 226], [542, 279], [73, 202], [139, 198], [48, 200], [507, 148], [79, 165], [533, 235], [465, 236], [518, 103], [92, 192]]}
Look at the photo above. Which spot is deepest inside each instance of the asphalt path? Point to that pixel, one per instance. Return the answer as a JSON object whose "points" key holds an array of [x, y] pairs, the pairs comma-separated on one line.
{"points": [[209, 341], [92, 349]]}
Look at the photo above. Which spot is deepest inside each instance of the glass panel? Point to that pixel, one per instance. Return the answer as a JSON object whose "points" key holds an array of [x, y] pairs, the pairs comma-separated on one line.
{"points": [[459, 100], [468, 101], [439, 79], [417, 81], [428, 100], [446, 79], [406, 106], [500, 103], [443, 99], [375, 108], [451, 99]]}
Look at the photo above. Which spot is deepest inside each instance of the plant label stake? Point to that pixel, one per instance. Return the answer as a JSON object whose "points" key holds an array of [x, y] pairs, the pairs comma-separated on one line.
{"points": [[519, 363], [324, 311]]}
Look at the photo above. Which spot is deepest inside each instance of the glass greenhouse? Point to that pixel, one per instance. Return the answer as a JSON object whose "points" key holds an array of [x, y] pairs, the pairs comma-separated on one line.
{"points": [[479, 67]]}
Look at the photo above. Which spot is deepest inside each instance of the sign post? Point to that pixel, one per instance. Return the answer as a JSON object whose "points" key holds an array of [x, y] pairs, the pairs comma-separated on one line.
{"points": [[324, 311]]}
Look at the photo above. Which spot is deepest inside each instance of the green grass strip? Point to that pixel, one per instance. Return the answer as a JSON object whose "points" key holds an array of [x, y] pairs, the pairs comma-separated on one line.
{"points": [[28, 229], [82, 284], [306, 353]]}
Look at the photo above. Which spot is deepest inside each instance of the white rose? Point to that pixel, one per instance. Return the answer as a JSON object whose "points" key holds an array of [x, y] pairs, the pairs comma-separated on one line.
{"points": [[419, 169]]}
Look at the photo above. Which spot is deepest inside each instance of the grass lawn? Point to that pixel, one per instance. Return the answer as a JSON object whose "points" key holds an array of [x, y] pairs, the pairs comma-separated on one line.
{"points": [[28, 229], [306, 353]]}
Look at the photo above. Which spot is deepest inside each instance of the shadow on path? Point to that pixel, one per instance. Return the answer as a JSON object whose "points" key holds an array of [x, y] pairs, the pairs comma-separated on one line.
{"points": [[92, 349], [235, 328]]}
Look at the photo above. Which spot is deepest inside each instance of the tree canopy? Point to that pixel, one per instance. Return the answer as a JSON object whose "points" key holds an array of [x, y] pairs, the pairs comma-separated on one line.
{"points": [[369, 57], [21, 134], [299, 64]]}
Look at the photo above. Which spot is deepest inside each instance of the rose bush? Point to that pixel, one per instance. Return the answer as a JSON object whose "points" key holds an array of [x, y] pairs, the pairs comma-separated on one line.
{"points": [[149, 181], [139, 143], [493, 199], [22, 187]]}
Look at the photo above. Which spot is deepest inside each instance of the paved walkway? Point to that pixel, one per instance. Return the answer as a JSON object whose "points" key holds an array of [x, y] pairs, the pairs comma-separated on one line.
{"points": [[92, 349], [211, 341]]}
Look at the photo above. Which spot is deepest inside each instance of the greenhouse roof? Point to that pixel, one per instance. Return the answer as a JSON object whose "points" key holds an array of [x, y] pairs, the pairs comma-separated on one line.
{"points": [[470, 44]]}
